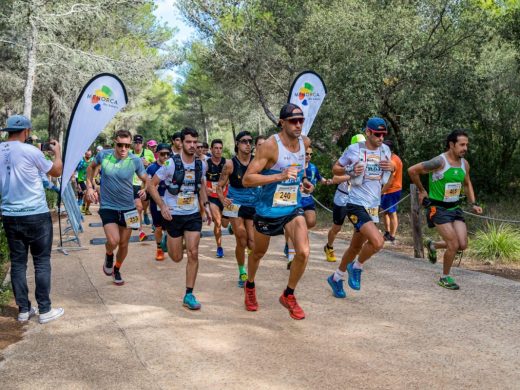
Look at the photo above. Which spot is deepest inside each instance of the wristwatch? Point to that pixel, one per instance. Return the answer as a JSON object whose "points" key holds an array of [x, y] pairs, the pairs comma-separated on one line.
{"points": [[206, 203]]}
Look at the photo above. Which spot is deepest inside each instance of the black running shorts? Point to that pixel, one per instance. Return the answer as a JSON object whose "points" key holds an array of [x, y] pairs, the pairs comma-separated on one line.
{"points": [[436, 215], [183, 223], [275, 226], [357, 215], [339, 213], [113, 216]]}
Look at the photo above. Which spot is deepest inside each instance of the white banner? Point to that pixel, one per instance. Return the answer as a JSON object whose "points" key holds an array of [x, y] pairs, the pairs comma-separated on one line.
{"points": [[99, 101], [308, 92]]}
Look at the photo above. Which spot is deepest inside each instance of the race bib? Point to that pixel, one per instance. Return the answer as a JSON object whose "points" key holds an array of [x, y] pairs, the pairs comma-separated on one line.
{"points": [[231, 211], [374, 213], [285, 195], [132, 219], [186, 201], [452, 192]]}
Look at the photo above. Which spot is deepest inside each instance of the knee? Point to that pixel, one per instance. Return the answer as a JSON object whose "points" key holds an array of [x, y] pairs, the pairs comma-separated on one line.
{"points": [[378, 243], [452, 245], [463, 245], [311, 223], [176, 257], [303, 252], [112, 242], [193, 254]]}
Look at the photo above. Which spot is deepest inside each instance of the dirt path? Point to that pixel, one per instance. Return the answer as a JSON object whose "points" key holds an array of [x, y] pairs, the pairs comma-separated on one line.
{"points": [[400, 331]]}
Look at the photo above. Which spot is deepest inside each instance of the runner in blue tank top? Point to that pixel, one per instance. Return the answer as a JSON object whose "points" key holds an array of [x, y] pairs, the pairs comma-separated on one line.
{"points": [[279, 168]]}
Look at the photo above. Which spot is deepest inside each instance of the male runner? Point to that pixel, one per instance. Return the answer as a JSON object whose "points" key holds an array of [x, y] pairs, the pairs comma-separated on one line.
{"points": [[200, 151], [447, 173], [184, 177], [339, 210], [176, 143], [308, 204], [239, 205], [369, 165], [205, 149], [147, 158], [82, 187], [278, 168], [117, 209], [215, 165], [163, 154], [391, 195]]}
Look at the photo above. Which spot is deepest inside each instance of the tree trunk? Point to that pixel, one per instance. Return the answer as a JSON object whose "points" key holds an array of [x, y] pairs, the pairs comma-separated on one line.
{"points": [[203, 117], [56, 125], [263, 101], [31, 68], [233, 130]]}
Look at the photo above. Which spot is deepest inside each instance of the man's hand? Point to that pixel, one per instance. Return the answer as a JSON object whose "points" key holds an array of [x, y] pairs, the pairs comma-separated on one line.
{"points": [[208, 214], [92, 195], [386, 165], [142, 194], [307, 187], [54, 145], [165, 212], [227, 202], [422, 194], [290, 173], [359, 168], [477, 209]]}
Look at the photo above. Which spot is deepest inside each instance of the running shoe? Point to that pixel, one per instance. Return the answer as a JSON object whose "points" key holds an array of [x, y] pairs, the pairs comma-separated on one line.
{"points": [[354, 277], [387, 236], [146, 219], [159, 255], [164, 245], [108, 265], [250, 299], [337, 287], [329, 254], [289, 302], [249, 251], [88, 212], [242, 280], [286, 250], [191, 302], [432, 251], [220, 252], [448, 283], [83, 209], [142, 235], [116, 276]]}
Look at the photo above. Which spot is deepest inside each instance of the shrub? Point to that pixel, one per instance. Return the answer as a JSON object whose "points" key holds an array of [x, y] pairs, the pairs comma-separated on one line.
{"points": [[494, 242], [52, 198], [5, 292]]}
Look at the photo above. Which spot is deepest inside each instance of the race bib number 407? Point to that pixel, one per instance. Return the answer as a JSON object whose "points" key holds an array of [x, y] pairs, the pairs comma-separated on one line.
{"points": [[285, 195]]}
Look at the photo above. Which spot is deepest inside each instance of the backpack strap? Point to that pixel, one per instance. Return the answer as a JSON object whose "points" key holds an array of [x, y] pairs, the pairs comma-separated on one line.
{"points": [[198, 175]]}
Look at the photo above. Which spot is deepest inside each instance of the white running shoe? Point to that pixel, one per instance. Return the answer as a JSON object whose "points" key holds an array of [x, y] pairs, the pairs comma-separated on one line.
{"points": [[22, 317], [51, 315]]}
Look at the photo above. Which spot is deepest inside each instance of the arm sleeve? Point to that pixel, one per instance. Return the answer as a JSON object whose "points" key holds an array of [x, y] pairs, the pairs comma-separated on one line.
{"points": [[349, 156]]}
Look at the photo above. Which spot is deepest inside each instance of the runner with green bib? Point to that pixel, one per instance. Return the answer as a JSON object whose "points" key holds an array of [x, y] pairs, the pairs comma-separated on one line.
{"points": [[448, 175]]}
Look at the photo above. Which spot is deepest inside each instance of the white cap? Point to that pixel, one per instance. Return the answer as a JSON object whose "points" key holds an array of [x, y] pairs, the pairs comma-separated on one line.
{"points": [[99, 148]]}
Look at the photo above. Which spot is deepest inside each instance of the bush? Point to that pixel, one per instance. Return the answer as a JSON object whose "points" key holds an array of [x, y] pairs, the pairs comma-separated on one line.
{"points": [[52, 198], [5, 293], [494, 242]]}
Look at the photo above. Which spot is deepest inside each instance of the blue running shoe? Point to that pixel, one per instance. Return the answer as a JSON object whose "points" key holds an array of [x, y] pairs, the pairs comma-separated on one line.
{"points": [[242, 280], [191, 302], [146, 219], [286, 250], [220, 252], [337, 287], [164, 245], [354, 277]]}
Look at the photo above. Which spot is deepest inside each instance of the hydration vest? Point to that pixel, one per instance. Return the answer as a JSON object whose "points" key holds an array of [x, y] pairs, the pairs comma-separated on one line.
{"points": [[177, 180], [214, 171]]}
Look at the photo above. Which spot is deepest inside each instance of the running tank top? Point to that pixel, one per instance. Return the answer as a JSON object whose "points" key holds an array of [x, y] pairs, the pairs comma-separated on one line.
{"points": [[445, 185], [282, 198], [213, 176], [240, 195]]}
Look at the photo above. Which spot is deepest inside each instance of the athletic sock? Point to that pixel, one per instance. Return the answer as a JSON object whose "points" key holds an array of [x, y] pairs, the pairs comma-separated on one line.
{"points": [[329, 247], [338, 275], [357, 265], [444, 276], [158, 245], [110, 256], [250, 284], [242, 269], [291, 254], [118, 264], [288, 291], [189, 290]]}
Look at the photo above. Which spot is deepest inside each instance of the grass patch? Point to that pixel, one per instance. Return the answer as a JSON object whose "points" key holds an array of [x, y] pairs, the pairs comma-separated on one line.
{"points": [[496, 243]]}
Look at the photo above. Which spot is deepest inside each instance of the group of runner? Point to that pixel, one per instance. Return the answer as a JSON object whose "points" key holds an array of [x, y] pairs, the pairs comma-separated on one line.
{"points": [[264, 195]]}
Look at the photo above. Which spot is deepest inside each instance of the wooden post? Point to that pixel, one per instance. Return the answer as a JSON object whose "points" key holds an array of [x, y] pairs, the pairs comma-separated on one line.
{"points": [[415, 220]]}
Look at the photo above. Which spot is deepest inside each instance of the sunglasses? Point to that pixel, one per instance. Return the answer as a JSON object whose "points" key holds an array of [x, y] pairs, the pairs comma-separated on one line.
{"points": [[379, 134], [123, 145], [164, 154], [246, 141], [308, 154], [296, 121]]}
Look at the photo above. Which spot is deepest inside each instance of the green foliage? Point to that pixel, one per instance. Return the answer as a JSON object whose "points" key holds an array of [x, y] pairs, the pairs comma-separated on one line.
{"points": [[497, 242], [52, 198], [5, 293]]}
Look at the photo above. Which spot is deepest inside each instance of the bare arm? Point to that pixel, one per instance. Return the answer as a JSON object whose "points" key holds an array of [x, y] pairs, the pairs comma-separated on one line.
{"points": [[422, 168], [337, 179], [57, 165], [151, 187], [253, 177], [338, 169], [203, 198], [92, 171], [470, 193], [223, 181]]}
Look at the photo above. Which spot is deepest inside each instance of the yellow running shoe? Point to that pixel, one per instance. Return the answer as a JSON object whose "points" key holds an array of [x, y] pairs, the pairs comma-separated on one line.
{"points": [[329, 254]]}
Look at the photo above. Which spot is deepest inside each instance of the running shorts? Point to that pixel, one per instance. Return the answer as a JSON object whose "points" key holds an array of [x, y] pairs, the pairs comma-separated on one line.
{"points": [[357, 215], [339, 213], [113, 216], [183, 223], [388, 201], [436, 215], [246, 212], [136, 190], [157, 218], [309, 207], [216, 202], [275, 226]]}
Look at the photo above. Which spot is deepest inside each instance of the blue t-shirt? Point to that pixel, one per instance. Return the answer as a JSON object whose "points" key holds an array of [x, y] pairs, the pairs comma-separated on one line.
{"points": [[151, 170], [313, 174], [117, 191]]}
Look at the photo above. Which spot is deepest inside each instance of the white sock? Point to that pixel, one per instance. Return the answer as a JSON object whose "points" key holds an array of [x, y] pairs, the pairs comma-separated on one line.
{"points": [[339, 275], [357, 265], [445, 276], [291, 254]]}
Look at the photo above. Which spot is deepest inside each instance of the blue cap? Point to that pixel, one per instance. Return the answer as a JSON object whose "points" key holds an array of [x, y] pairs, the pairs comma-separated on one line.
{"points": [[17, 123], [377, 124]]}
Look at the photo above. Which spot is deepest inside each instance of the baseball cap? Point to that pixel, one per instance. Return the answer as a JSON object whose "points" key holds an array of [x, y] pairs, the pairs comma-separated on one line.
{"points": [[377, 125], [138, 139], [17, 123], [152, 142], [357, 138], [287, 111], [99, 148], [163, 146]]}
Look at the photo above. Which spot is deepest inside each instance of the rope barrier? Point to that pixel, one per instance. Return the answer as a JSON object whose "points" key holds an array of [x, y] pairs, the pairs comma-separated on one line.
{"points": [[490, 218], [321, 204], [381, 212]]}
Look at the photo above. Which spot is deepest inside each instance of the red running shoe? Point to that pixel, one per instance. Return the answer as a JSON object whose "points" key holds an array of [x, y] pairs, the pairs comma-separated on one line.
{"points": [[250, 299], [290, 303]]}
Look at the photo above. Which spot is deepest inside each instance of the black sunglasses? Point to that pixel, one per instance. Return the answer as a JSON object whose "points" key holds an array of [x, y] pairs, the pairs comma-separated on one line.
{"points": [[295, 121], [164, 154], [308, 154], [123, 145], [247, 141]]}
